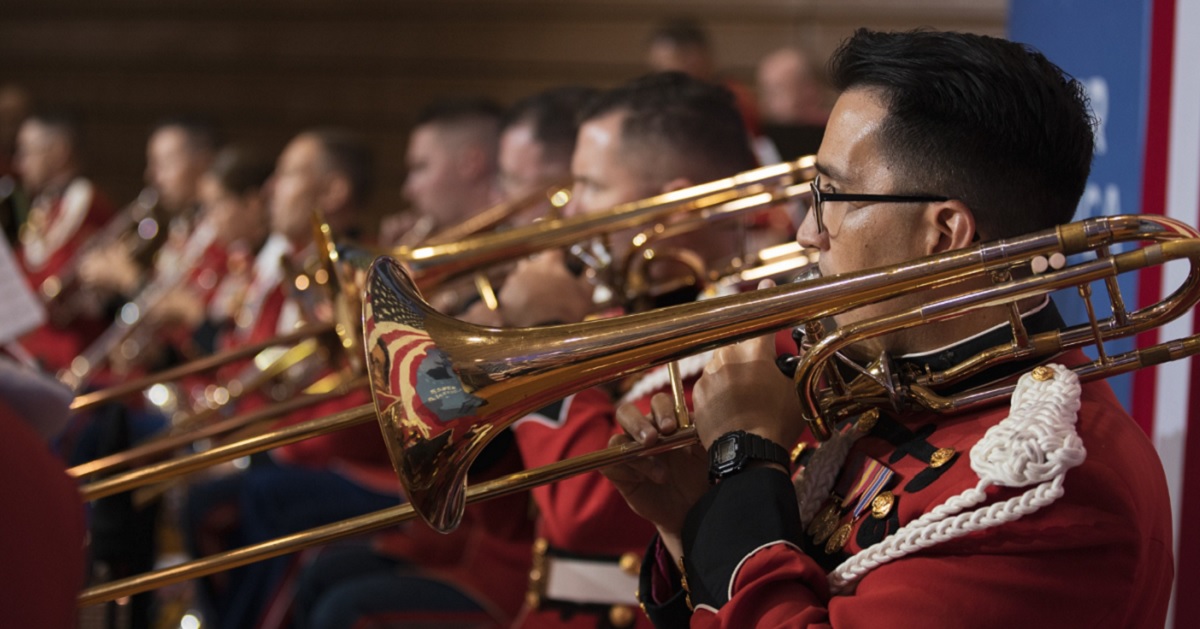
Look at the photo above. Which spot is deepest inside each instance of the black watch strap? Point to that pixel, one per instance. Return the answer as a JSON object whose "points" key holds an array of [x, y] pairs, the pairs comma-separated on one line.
{"points": [[733, 451]]}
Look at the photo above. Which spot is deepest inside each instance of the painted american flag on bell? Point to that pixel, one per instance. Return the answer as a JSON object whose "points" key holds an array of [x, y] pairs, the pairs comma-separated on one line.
{"points": [[413, 380]]}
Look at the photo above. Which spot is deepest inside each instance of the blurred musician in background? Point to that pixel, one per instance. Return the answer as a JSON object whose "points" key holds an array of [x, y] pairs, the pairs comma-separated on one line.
{"points": [[319, 480], [793, 102], [451, 161], [683, 45], [66, 210], [233, 195], [179, 151], [15, 105], [536, 143]]}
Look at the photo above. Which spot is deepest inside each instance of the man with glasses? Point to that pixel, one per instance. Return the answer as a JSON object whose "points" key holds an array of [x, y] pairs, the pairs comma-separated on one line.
{"points": [[1053, 512]]}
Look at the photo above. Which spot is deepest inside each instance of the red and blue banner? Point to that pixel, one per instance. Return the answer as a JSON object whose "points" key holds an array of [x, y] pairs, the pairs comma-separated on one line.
{"points": [[1138, 59]]}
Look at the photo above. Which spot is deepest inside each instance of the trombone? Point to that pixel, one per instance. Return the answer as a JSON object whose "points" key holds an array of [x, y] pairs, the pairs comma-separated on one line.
{"points": [[497, 376], [345, 291], [436, 426]]}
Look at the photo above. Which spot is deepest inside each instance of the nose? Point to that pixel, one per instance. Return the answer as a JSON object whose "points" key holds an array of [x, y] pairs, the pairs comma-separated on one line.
{"points": [[807, 234]]}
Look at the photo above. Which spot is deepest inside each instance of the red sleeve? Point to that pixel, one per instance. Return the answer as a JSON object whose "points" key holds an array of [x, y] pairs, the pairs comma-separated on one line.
{"points": [[42, 533], [583, 514], [1073, 563]]}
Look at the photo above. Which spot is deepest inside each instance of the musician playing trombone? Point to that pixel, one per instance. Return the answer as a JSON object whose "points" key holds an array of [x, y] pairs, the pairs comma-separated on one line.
{"points": [[315, 481], [651, 135], [1051, 511]]}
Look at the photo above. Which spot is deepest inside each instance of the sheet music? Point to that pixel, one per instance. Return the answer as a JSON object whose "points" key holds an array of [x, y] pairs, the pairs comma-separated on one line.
{"points": [[20, 309]]}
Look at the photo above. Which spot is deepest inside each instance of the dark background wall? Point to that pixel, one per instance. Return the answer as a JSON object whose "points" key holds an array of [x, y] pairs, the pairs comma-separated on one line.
{"points": [[264, 69]]}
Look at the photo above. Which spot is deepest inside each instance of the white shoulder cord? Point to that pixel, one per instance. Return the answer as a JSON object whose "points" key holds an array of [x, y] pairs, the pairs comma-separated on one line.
{"points": [[1035, 445]]}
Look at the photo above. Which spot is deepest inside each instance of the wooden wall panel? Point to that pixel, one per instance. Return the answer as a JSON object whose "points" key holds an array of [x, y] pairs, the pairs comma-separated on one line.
{"points": [[266, 69]]}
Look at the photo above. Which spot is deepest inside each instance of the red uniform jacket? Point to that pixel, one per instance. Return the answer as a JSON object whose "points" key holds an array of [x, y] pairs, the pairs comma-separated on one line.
{"points": [[583, 515], [1100, 555], [69, 221], [42, 532], [487, 556]]}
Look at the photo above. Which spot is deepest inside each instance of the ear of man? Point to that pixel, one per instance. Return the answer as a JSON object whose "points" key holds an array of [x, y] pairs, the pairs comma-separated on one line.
{"points": [[951, 226]]}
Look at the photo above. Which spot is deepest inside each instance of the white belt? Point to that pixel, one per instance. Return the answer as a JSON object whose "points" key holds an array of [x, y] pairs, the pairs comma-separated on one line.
{"points": [[589, 581]]}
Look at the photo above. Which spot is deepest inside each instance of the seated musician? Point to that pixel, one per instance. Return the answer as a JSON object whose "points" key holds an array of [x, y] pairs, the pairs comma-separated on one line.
{"points": [[66, 210], [179, 151], [451, 163], [234, 197], [652, 135], [485, 580], [537, 139], [1057, 516], [313, 482], [589, 540]]}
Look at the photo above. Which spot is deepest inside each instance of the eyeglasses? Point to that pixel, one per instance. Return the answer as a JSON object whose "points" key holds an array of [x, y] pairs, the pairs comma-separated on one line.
{"points": [[819, 197]]}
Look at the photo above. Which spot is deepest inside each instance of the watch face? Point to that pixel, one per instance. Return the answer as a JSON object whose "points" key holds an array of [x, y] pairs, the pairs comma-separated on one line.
{"points": [[725, 450]]}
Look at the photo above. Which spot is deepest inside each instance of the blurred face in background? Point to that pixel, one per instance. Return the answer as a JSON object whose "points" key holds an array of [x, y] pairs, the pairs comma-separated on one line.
{"points": [[43, 157], [174, 168], [240, 219], [301, 184], [604, 175], [433, 182], [525, 166], [527, 170]]}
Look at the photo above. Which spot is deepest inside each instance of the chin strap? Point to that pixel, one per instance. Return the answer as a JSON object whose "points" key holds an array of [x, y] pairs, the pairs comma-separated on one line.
{"points": [[1033, 447]]}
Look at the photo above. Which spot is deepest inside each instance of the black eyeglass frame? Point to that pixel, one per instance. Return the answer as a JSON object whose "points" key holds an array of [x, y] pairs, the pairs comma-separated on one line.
{"points": [[819, 197]]}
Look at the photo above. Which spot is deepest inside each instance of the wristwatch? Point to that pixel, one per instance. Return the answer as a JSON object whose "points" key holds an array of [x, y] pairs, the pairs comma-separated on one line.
{"points": [[731, 452]]}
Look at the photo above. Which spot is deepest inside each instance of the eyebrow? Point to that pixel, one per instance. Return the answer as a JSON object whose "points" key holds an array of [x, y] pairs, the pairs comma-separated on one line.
{"points": [[829, 172]]}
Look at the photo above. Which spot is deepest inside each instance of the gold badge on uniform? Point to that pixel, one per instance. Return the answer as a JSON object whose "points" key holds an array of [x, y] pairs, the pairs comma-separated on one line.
{"points": [[941, 456], [826, 521], [881, 506], [867, 421], [862, 483], [839, 539]]}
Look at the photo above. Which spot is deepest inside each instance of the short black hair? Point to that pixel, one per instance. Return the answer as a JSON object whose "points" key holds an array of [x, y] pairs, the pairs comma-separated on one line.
{"points": [[474, 119], [987, 121], [451, 111], [350, 155], [696, 120], [553, 116], [683, 31], [201, 133], [241, 169]]}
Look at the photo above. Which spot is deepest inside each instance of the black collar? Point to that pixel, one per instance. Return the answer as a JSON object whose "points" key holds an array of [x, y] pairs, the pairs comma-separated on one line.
{"points": [[1044, 319]]}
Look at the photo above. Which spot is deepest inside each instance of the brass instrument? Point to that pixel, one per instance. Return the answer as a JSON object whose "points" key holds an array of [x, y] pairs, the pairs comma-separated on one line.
{"points": [[138, 227], [556, 197], [433, 265], [268, 363], [496, 376], [632, 279], [437, 428], [134, 313]]}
